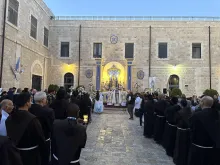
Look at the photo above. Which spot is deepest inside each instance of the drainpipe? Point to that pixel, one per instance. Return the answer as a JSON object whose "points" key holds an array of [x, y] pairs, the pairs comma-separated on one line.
{"points": [[149, 52], [210, 59], [3, 43], [79, 62]]}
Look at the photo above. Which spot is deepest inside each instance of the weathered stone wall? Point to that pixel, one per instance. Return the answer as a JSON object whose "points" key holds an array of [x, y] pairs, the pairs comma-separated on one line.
{"points": [[18, 43], [193, 73]]}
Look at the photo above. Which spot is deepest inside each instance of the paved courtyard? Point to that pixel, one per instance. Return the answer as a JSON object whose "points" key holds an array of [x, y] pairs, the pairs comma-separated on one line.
{"points": [[115, 140]]}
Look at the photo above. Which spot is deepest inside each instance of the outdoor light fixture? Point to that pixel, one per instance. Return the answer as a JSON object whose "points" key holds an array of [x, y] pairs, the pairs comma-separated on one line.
{"points": [[174, 66]]}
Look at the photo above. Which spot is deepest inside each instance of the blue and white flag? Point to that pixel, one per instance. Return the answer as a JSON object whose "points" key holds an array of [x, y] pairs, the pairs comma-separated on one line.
{"points": [[17, 65]]}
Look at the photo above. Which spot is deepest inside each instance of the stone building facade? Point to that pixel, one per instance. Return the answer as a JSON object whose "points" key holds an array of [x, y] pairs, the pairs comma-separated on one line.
{"points": [[29, 53], [193, 73], [191, 49]]}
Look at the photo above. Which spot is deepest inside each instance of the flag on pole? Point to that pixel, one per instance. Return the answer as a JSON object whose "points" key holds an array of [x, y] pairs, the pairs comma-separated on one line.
{"points": [[13, 71], [17, 65]]}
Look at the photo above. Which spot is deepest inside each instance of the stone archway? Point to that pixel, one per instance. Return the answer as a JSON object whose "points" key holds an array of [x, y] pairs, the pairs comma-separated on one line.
{"points": [[68, 81], [174, 82], [37, 75], [37, 68]]}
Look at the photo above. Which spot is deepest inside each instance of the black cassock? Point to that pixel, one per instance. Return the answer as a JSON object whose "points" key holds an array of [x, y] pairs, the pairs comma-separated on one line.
{"points": [[160, 107], [205, 138], [60, 108], [46, 117], [182, 136], [169, 136], [9, 154], [25, 131], [149, 118], [67, 141]]}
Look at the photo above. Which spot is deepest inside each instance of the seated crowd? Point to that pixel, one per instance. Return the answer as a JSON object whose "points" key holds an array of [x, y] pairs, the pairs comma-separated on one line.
{"points": [[37, 128], [188, 129]]}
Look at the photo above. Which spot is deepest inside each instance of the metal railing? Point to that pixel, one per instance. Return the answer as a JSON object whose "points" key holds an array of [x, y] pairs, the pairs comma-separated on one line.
{"points": [[136, 18]]}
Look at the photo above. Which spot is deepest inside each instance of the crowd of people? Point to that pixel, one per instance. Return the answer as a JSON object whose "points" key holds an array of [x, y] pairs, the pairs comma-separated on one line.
{"points": [[188, 129], [42, 128]]}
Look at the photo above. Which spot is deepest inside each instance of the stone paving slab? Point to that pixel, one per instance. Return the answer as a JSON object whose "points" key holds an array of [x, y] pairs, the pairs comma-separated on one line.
{"points": [[115, 140]]}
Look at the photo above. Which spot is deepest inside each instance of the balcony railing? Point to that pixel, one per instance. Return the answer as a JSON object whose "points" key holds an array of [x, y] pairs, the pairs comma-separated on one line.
{"points": [[136, 18]]}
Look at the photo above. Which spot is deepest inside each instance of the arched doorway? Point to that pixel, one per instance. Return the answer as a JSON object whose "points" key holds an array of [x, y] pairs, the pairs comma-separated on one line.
{"points": [[174, 82], [68, 80], [37, 75]]}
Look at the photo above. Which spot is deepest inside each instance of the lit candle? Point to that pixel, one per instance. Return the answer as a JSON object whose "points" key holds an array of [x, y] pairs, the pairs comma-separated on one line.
{"points": [[85, 118]]}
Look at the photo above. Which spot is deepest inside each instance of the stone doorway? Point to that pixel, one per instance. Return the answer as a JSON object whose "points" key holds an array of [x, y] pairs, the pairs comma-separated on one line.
{"points": [[68, 81], [173, 82], [36, 82]]}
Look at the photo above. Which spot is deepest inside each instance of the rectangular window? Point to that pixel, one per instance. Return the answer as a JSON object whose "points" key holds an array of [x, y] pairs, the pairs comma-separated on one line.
{"points": [[13, 12], [97, 50], [33, 27], [46, 35], [162, 50], [196, 50], [65, 49], [129, 50]]}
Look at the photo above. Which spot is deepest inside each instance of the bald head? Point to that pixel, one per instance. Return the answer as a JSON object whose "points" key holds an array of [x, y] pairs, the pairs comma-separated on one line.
{"points": [[7, 105], [206, 102]]}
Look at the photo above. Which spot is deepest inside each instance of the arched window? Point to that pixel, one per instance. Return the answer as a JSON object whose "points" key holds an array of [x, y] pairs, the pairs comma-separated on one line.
{"points": [[174, 82], [68, 80]]}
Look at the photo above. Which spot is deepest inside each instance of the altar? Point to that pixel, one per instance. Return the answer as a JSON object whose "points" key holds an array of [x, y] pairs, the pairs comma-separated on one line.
{"points": [[113, 87], [115, 98]]}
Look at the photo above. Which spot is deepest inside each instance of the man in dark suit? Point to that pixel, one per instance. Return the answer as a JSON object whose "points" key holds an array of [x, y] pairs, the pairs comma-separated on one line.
{"points": [[45, 116], [130, 103], [205, 135]]}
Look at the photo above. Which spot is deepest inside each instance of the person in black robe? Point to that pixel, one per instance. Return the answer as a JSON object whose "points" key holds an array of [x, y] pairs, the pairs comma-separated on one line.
{"points": [[9, 154], [85, 105], [205, 135], [45, 116], [149, 117], [60, 105], [183, 135], [69, 138], [74, 98], [169, 135], [26, 132], [216, 104], [160, 107]]}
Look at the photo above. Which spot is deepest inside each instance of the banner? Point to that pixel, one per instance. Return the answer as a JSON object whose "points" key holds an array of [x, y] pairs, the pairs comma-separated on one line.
{"points": [[152, 82]]}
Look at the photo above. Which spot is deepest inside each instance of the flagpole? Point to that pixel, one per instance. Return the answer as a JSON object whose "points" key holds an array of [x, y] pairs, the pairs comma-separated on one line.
{"points": [[3, 43]]}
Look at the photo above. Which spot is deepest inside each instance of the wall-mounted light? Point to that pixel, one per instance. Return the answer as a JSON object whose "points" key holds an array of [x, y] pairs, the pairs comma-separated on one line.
{"points": [[174, 67]]}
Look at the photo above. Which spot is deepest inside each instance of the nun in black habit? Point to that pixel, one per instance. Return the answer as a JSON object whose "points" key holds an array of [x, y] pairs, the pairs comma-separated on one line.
{"points": [[160, 107], [169, 135], [183, 135], [68, 139], [149, 117]]}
